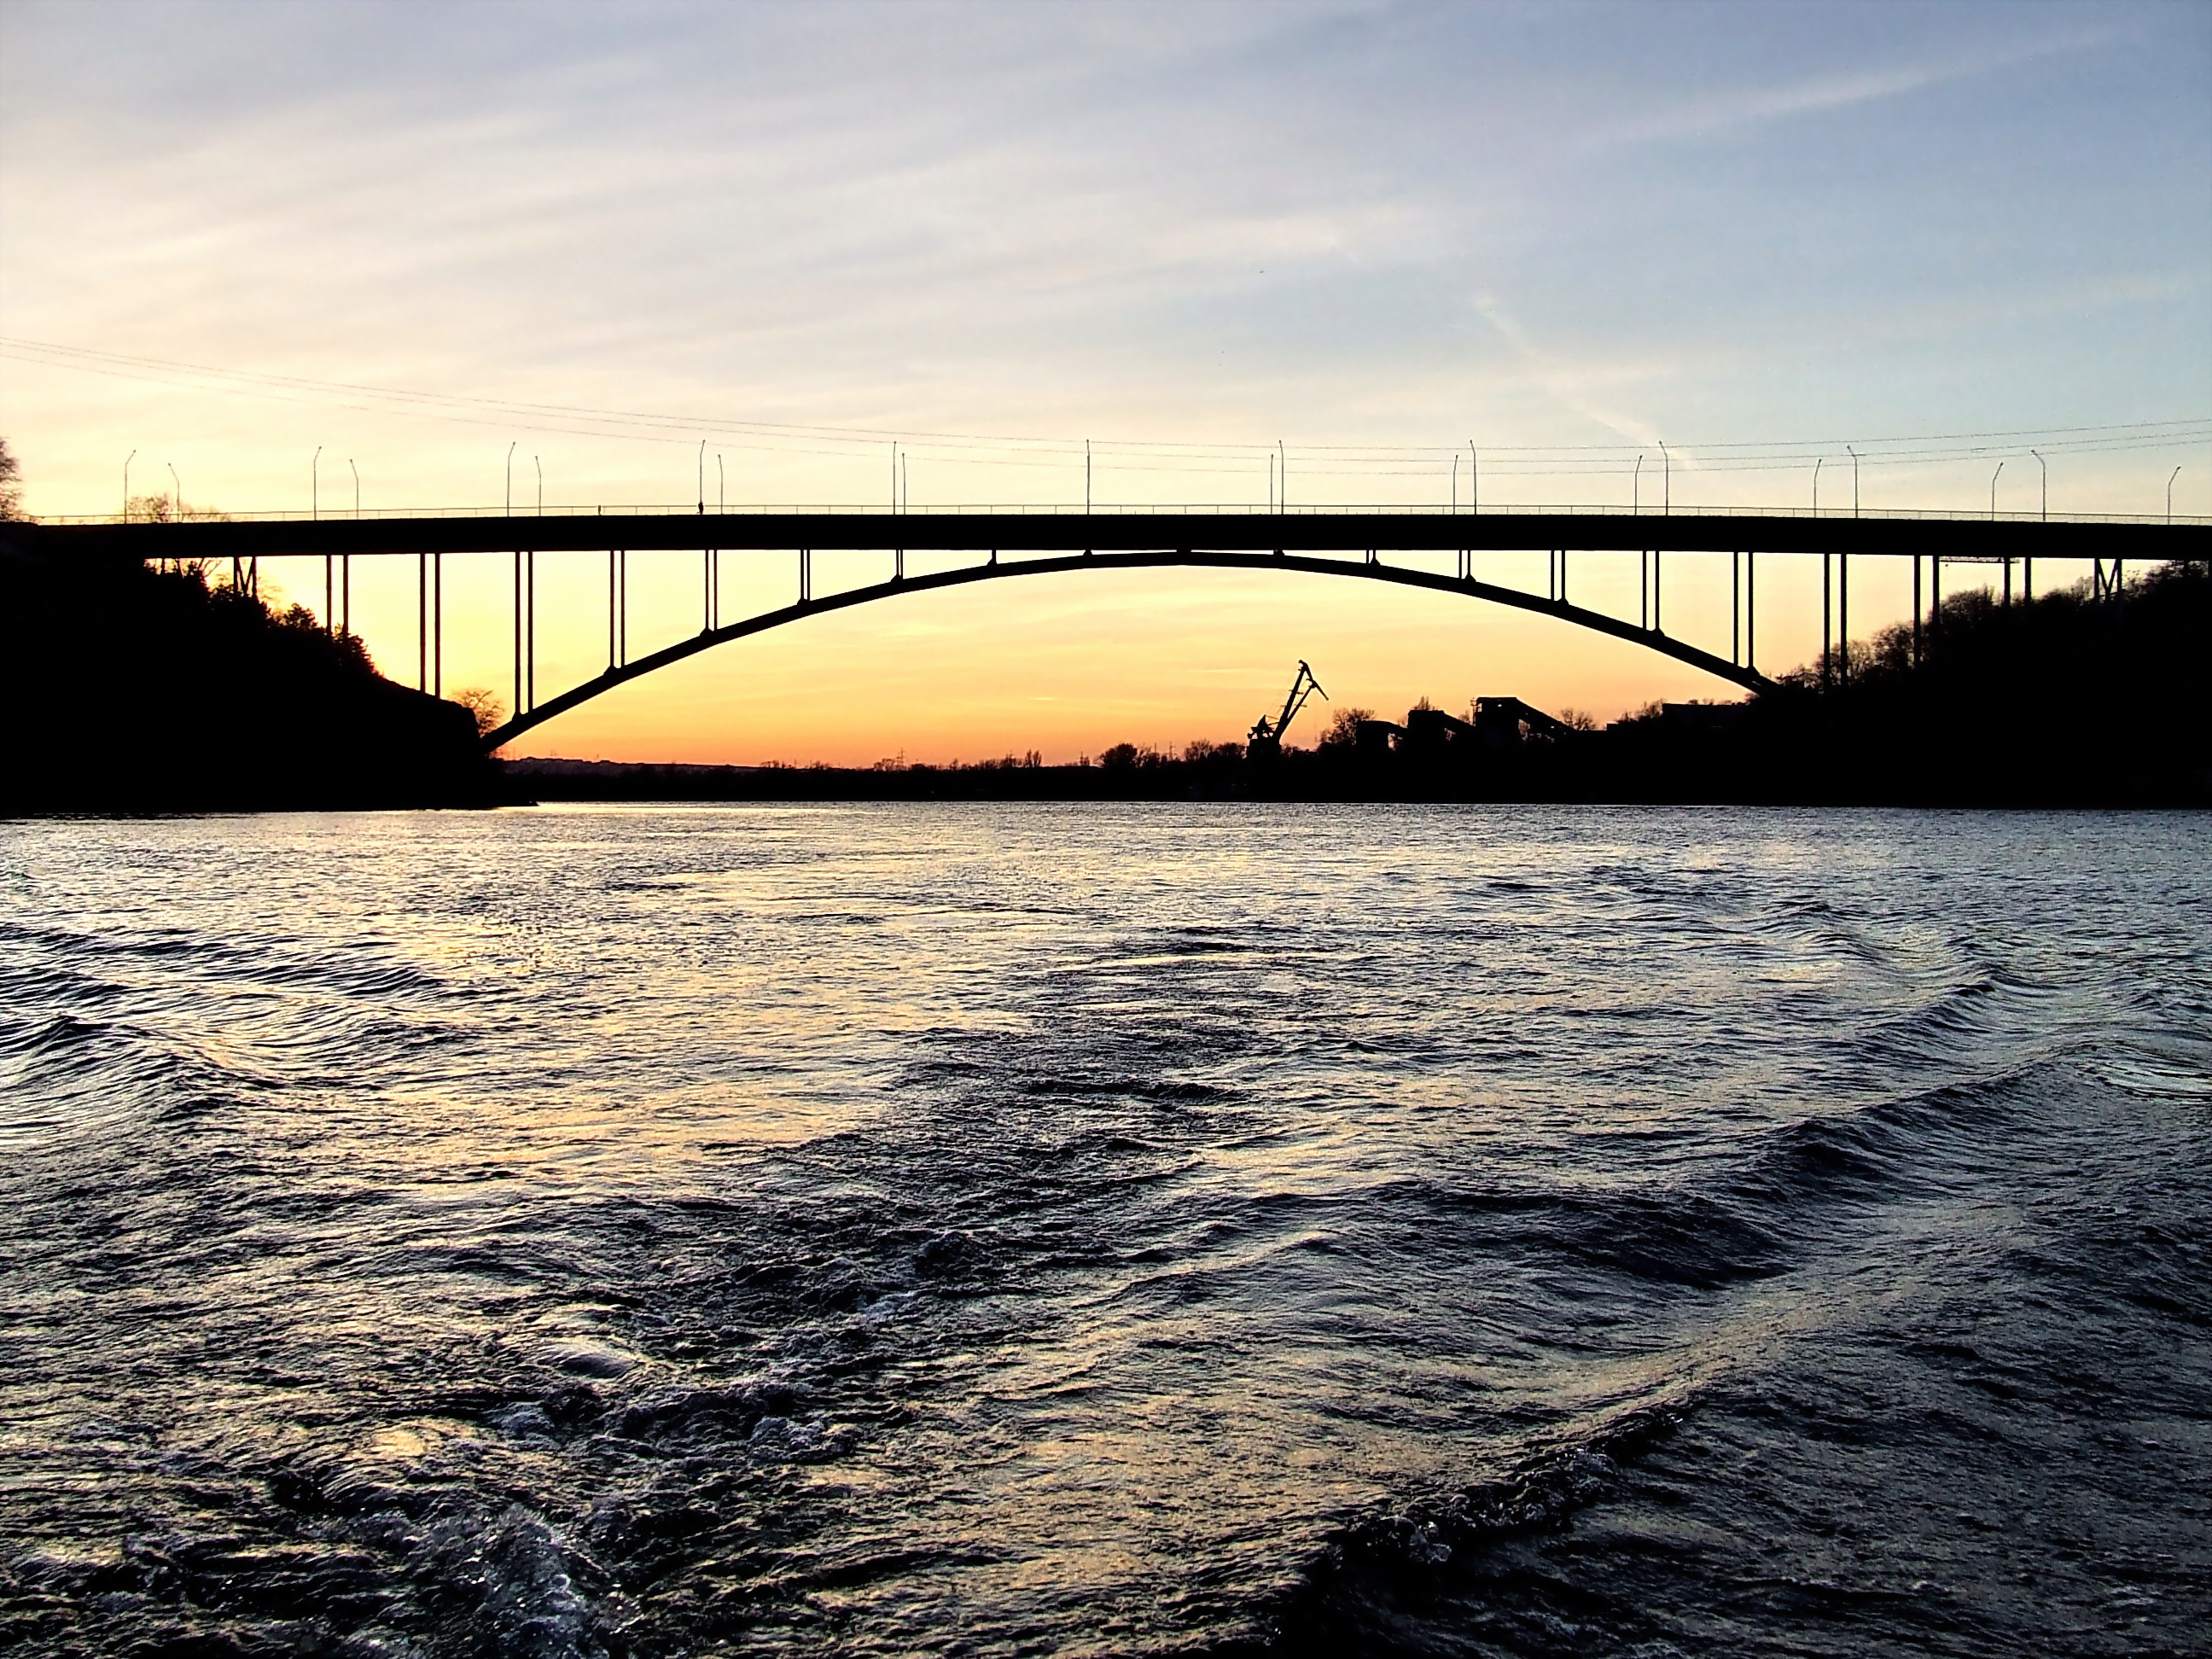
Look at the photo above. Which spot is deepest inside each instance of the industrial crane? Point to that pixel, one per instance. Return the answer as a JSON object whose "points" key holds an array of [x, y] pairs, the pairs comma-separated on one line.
{"points": [[1267, 740]]}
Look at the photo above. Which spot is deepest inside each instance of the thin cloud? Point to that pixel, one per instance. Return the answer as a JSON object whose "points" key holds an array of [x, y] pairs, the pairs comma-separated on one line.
{"points": [[1742, 109]]}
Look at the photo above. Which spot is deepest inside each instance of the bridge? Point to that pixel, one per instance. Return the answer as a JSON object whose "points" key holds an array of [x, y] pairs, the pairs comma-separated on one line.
{"points": [[1353, 542]]}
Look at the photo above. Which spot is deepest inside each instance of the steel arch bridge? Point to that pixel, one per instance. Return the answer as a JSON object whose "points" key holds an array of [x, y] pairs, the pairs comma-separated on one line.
{"points": [[1055, 542], [1207, 559]]}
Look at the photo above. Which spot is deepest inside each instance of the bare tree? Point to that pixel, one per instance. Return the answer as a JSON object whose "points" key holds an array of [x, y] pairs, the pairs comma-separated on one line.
{"points": [[11, 484], [490, 712], [1344, 728]]}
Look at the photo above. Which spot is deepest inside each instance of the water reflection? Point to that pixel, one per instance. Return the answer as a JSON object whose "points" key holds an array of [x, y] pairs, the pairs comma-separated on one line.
{"points": [[1114, 1230]]}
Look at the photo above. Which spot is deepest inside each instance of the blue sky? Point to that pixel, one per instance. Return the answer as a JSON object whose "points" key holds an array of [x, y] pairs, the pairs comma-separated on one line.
{"points": [[1408, 226]]}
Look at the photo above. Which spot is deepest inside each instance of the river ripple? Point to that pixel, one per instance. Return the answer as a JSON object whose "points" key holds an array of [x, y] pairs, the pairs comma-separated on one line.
{"points": [[994, 1229]]}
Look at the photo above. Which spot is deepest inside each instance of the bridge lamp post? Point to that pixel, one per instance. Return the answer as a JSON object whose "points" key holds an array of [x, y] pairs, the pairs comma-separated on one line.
{"points": [[345, 560], [1854, 454], [1282, 477], [1454, 483], [2027, 564], [1474, 479], [1086, 475], [133, 456], [315, 511], [1635, 487], [2170, 477], [177, 499], [1819, 461], [1993, 476], [1666, 479]]}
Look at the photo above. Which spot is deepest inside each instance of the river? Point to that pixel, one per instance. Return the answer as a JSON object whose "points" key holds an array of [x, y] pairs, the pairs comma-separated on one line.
{"points": [[997, 1228]]}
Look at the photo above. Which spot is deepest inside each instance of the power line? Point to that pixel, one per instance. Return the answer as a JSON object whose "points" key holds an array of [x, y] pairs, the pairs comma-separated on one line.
{"points": [[1128, 455]]}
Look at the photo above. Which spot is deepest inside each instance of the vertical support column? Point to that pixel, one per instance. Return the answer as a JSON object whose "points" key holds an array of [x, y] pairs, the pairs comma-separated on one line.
{"points": [[1827, 623], [610, 610], [1736, 609], [1644, 591], [437, 624], [1844, 614], [806, 575], [1935, 593], [1658, 624], [2027, 579], [1751, 611], [530, 628], [422, 622], [623, 637], [345, 592], [330, 598], [1916, 611], [518, 630], [2007, 582]]}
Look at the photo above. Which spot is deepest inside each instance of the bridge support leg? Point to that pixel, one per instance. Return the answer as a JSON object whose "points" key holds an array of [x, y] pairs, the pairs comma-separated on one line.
{"points": [[1827, 625], [437, 624], [1916, 611], [1844, 614], [1751, 611], [422, 622], [1736, 609]]}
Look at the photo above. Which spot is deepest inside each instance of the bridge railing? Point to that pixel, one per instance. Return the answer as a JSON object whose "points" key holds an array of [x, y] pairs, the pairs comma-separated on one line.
{"points": [[1209, 510]]}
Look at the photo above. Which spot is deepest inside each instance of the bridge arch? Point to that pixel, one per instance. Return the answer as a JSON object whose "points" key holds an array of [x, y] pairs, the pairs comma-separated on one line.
{"points": [[1368, 569]]}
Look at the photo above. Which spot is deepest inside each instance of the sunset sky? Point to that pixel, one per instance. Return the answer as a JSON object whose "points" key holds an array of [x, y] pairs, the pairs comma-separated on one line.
{"points": [[414, 235]]}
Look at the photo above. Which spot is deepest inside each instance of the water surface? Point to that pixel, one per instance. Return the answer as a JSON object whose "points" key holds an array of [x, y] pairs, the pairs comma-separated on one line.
{"points": [[1105, 1230]]}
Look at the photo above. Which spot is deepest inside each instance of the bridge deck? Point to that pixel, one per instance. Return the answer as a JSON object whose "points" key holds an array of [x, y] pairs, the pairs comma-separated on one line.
{"points": [[1074, 532]]}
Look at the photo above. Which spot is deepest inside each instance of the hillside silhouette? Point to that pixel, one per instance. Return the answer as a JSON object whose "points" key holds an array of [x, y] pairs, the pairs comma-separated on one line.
{"points": [[131, 688]]}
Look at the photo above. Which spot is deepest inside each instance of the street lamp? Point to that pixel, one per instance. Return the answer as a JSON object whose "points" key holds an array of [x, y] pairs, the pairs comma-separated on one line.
{"points": [[510, 479], [1086, 475], [1819, 461], [1993, 500], [178, 500], [1636, 486], [1667, 478], [540, 465], [133, 455], [1854, 454], [2045, 465], [315, 484], [345, 560], [2170, 477], [1474, 479]]}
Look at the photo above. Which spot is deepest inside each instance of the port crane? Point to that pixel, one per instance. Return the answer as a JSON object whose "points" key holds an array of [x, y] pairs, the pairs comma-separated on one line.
{"points": [[1267, 739]]}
